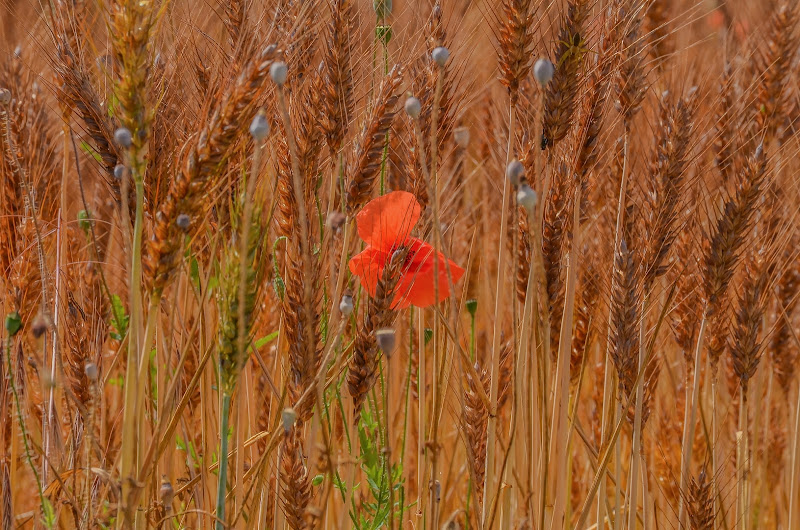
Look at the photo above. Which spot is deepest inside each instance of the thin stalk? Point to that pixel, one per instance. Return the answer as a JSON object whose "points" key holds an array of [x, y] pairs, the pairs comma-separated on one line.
{"points": [[619, 509], [407, 404], [422, 401], [608, 380], [605, 456], [742, 472], [491, 436], [388, 442], [561, 406], [636, 437], [222, 476], [690, 416], [43, 503], [30, 202], [133, 416], [714, 483], [793, 497], [618, 515]]}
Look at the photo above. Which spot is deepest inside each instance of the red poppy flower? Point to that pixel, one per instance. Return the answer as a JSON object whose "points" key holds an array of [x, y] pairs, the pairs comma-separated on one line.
{"points": [[385, 226]]}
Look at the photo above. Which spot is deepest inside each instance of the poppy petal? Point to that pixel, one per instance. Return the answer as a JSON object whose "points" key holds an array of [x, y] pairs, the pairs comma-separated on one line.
{"points": [[368, 266], [386, 222], [417, 286]]}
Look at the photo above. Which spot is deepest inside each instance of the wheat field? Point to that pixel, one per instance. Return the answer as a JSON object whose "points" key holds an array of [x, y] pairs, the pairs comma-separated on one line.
{"points": [[422, 264]]}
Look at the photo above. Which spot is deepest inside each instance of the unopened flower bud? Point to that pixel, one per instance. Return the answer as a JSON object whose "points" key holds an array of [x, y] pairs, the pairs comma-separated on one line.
{"points": [[13, 323], [288, 417], [279, 72], [119, 171], [84, 220], [346, 305], [543, 71], [461, 137], [472, 306], [413, 107], [514, 172], [123, 137], [526, 198], [259, 128], [386, 340], [440, 55]]}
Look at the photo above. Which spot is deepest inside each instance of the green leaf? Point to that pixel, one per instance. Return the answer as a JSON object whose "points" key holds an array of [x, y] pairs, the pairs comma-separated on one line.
{"points": [[48, 513], [263, 341], [89, 149], [119, 320], [194, 272], [280, 286]]}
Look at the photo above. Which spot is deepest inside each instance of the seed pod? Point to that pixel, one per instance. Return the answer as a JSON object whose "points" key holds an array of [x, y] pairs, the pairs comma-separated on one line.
{"points": [[288, 417], [39, 326], [461, 137], [335, 220], [440, 56], [90, 369], [346, 305], [183, 221], [5, 96], [386, 340], [543, 71], [526, 198], [279, 72], [119, 171], [413, 107], [514, 172], [166, 492], [123, 137], [259, 128]]}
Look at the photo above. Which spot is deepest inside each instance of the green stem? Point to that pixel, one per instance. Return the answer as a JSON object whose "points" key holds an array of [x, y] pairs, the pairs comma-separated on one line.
{"points": [[223, 460], [472, 339], [24, 432]]}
